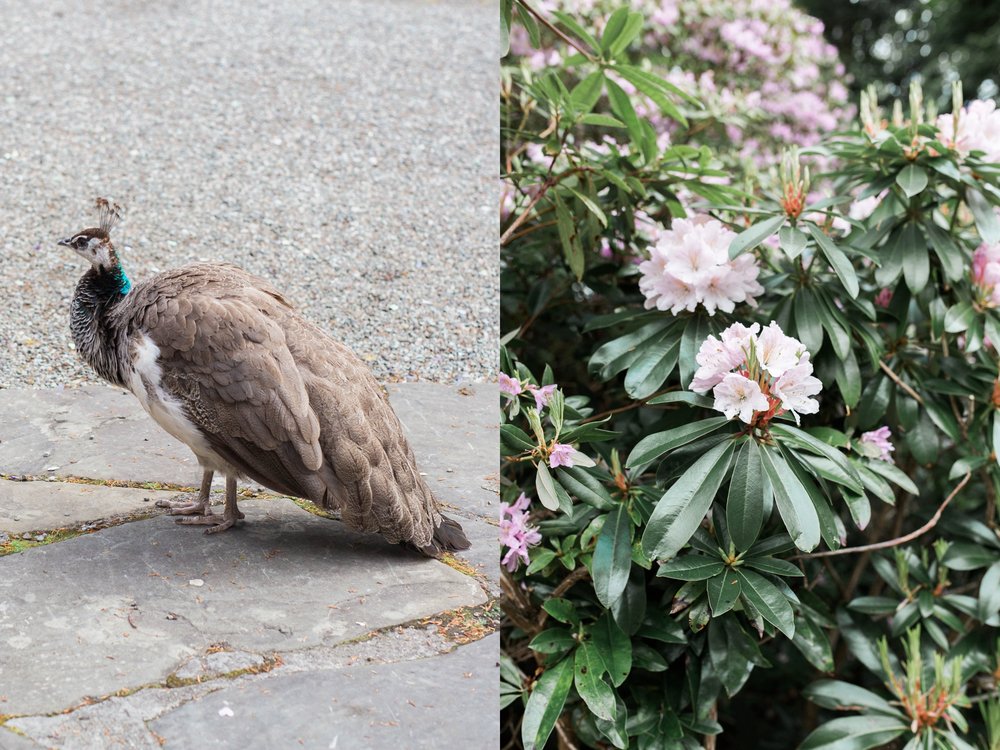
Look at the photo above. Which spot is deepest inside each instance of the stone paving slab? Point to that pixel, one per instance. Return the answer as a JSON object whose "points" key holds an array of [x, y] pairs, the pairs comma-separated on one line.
{"points": [[118, 609], [43, 506], [11, 741], [447, 701]]}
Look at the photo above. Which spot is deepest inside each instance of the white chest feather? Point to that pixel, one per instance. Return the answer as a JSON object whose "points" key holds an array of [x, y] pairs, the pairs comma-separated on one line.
{"points": [[145, 383]]}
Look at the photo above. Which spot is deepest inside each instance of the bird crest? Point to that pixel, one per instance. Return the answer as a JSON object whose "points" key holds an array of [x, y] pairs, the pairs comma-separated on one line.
{"points": [[109, 214]]}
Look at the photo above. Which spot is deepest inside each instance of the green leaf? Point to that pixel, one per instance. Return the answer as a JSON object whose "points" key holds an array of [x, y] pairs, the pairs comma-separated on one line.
{"points": [[613, 27], [654, 365], [627, 27], [545, 704], [585, 487], [848, 377], [505, 13], [687, 397], [813, 644], [621, 105], [545, 487], [792, 241], [591, 205], [803, 439], [562, 610], [695, 333], [768, 600], [752, 236], [807, 320], [774, 566], [874, 605], [723, 591], [586, 93], [855, 733], [835, 694], [605, 121], [838, 261], [894, 474], [968, 556], [986, 219], [572, 249], [619, 354], [959, 317], [553, 641], [916, 262], [948, 253], [912, 179], [596, 693], [691, 568], [989, 593], [652, 87], [745, 504], [680, 511], [516, 438], [653, 446], [614, 648], [794, 506], [612, 556], [570, 23]]}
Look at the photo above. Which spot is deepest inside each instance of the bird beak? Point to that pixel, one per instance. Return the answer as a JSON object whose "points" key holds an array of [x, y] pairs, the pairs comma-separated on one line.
{"points": [[65, 242]]}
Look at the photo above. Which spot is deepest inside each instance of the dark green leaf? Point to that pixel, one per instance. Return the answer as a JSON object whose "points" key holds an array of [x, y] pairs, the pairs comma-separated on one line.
{"points": [[553, 641], [813, 644], [959, 317], [752, 236], [723, 591], [614, 648], [768, 600], [605, 121], [586, 93], [654, 365], [545, 704], [855, 733], [745, 504], [653, 446], [680, 511], [774, 566], [695, 399], [912, 179], [835, 694], [948, 253], [794, 505], [807, 320], [838, 261], [691, 568], [585, 487], [968, 556], [986, 218], [596, 693], [612, 557], [803, 439], [562, 610], [545, 487], [792, 241]]}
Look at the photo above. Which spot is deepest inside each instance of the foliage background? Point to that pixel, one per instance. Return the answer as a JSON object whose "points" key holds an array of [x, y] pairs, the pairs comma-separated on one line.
{"points": [[588, 178]]}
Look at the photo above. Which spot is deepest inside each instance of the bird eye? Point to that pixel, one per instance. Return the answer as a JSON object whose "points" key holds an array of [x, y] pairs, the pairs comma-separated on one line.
{"points": [[80, 242]]}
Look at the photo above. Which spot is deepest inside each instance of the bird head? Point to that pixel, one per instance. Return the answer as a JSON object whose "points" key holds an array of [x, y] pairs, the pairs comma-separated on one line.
{"points": [[94, 243]]}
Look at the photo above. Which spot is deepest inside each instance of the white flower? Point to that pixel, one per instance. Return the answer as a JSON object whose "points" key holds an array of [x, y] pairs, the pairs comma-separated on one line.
{"points": [[715, 359], [739, 395], [777, 352], [689, 265], [795, 387], [978, 129]]}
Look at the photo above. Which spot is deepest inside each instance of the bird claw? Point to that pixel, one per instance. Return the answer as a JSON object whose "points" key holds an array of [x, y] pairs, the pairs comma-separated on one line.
{"points": [[215, 521], [183, 507]]}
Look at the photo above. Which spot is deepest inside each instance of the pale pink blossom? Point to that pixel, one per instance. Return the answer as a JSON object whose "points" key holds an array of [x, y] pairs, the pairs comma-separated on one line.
{"points": [[986, 273], [738, 395], [756, 376], [777, 352], [561, 455], [541, 394], [795, 387], [862, 209], [689, 265], [515, 533], [879, 440], [884, 297], [978, 129], [508, 384]]}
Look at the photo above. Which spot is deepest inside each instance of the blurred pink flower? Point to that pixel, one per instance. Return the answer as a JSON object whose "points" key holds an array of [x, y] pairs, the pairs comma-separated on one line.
{"points": [[884, 297], [561, 455], [509, 384], [515, 533], [879, 439], [986, 273], [541, 394], [978, 129]]}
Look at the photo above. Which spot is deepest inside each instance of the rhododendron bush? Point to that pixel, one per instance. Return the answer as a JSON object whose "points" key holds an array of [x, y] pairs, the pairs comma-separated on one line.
{"points": [[749, 436]]}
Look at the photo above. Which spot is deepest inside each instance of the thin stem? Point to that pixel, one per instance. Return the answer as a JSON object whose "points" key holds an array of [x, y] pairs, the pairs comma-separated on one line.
{"points": [[895, 378], [558, 32], [898, 540]]}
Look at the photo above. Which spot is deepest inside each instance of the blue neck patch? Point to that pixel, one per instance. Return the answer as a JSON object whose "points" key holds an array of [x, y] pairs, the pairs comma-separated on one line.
{"points": [[124, 283]]}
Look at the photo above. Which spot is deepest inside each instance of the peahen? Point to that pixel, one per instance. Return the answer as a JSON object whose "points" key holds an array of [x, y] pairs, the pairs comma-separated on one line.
{"points": [[221, 361]]}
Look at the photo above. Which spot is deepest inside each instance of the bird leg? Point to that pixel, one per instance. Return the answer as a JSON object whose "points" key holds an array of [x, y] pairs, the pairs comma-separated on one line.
{"points": [[230, 515], [189, 508]]}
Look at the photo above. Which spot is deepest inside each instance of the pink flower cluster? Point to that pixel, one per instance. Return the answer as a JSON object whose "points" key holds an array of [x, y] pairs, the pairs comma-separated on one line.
{"points": [[689, 266], [513, 387], [879, 441], [986, 274], [757, 374], [978, 129], [761, 67], [515, 533]]}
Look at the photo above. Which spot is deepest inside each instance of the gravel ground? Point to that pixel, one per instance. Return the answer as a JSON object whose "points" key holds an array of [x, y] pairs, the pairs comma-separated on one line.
{"points": [[344, 150]]}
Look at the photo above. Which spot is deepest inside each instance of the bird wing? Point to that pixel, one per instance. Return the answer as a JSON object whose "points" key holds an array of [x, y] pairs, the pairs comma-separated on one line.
{"points": [[282, 402]]}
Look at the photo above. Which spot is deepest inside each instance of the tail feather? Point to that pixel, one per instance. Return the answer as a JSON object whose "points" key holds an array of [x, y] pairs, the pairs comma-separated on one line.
{"points": [[448, 537]]}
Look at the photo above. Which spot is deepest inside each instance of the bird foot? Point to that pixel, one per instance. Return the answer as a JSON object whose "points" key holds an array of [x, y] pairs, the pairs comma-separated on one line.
{"points": [[214, 521], [184, 507]]}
